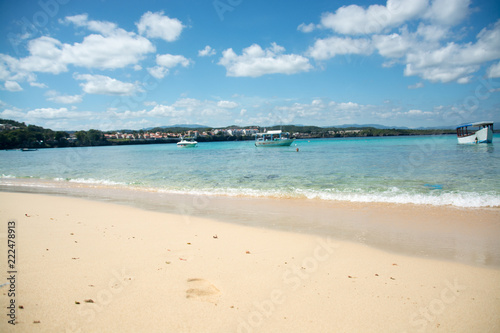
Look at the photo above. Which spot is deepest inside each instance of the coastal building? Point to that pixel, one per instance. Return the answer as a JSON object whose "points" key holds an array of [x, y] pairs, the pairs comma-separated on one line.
{"points": [[7, 127]]}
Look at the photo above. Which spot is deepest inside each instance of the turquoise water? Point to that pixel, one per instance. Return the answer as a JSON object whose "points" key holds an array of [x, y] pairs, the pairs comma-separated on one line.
{"points": [[421, 169]]}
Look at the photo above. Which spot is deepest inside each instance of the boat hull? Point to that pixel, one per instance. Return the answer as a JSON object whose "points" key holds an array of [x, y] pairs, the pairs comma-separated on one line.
{"points": [[275, 143], [484, 135], [187, 144]]}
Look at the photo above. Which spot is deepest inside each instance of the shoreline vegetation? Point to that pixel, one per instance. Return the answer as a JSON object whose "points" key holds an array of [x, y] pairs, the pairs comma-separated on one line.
{"points": [[16, 135]]}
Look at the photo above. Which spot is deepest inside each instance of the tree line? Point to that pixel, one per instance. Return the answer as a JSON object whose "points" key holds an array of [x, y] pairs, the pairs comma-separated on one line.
{"points": [[20, 135]]}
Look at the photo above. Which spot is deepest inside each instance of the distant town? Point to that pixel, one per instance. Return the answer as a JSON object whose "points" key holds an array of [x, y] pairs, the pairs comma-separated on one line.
{"points": [[15, 135], [176, 134]]}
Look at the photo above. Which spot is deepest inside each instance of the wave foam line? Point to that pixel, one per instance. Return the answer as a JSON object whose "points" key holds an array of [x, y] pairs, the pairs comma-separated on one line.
{"points": [[460, 199], [392, 195]]}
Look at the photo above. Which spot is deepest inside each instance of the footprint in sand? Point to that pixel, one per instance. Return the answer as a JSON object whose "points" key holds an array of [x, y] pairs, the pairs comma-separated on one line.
{"points": [[202, 290]]}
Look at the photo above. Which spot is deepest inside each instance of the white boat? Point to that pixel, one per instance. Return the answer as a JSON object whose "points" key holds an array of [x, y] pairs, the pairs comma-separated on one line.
{"points": [[187, 143], [480, 132], [273, 139]]}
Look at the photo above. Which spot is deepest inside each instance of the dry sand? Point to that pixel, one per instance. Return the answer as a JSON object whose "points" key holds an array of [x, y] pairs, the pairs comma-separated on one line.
{"points": [[85, 266]]}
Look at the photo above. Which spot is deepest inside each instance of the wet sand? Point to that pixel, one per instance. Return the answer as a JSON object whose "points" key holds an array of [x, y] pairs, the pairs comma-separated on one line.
{"points": [[94, 266], [467, 235]]}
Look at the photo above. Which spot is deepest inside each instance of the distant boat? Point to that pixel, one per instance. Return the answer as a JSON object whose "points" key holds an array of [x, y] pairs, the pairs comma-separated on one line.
{"points": [[480, 132], [187, 143], [28, 149], [273, 139]]}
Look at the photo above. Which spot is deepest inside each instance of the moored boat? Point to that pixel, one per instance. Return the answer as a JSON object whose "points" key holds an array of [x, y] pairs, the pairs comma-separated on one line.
{"points": [[273, 139], [187, 143], [479, 132]]}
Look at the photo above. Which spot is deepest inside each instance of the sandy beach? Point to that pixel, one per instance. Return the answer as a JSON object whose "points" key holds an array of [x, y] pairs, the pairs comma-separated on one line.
{"points": [[89, 266]]}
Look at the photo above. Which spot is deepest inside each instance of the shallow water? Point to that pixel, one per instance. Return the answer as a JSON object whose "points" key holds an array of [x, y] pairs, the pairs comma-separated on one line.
{"points": [[418, 169]]}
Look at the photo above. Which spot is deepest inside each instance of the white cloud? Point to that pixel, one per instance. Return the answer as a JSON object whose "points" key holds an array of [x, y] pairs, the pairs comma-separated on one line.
{"points": [[419, 113], [54, 96], [345, 106], [159, 110], [46, 56], [206, 52], [104, 85], [165, 62], [306, 28], [158, 72], [322, 111], [103, 27], [12, 86], [51, 113], [163, 111], [493, 71], [448, 12], [330, 47], [421, 48], [464, 79], [227, 104], [455, 62], [393, 45], [255, 62], [440, 73], [170, 60], [183, 110], [78, 20], [355, 20], [189, 105], [14, 113], [415, 112], [157, 25], [416, 85], [113, 48], [108, 52], [432, 33], [38, 85]]}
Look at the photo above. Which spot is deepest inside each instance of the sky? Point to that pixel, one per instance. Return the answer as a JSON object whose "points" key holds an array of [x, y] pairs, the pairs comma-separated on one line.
{"points": [[110, 65]]}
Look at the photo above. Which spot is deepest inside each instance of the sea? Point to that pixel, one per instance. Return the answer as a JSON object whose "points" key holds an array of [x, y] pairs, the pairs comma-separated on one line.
{"points": [[422, 170]]}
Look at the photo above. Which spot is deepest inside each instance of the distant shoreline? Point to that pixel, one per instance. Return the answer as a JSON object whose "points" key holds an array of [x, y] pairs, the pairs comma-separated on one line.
{"points": [[15, 135]]}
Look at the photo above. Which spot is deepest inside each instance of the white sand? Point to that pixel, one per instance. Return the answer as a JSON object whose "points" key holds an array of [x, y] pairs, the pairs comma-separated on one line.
{"points": [[157, 272]]}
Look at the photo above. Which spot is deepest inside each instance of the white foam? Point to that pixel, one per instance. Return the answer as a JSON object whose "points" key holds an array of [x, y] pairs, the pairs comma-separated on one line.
{"points": [[392, 195], [92, 181]]}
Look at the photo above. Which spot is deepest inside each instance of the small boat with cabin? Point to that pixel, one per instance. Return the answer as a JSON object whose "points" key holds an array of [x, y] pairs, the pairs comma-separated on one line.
{"points": [[191, 143], [273, 139], [479, 132]]}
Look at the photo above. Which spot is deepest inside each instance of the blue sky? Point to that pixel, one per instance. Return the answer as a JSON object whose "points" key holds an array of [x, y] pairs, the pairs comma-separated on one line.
{"points": [[71, 65]]}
